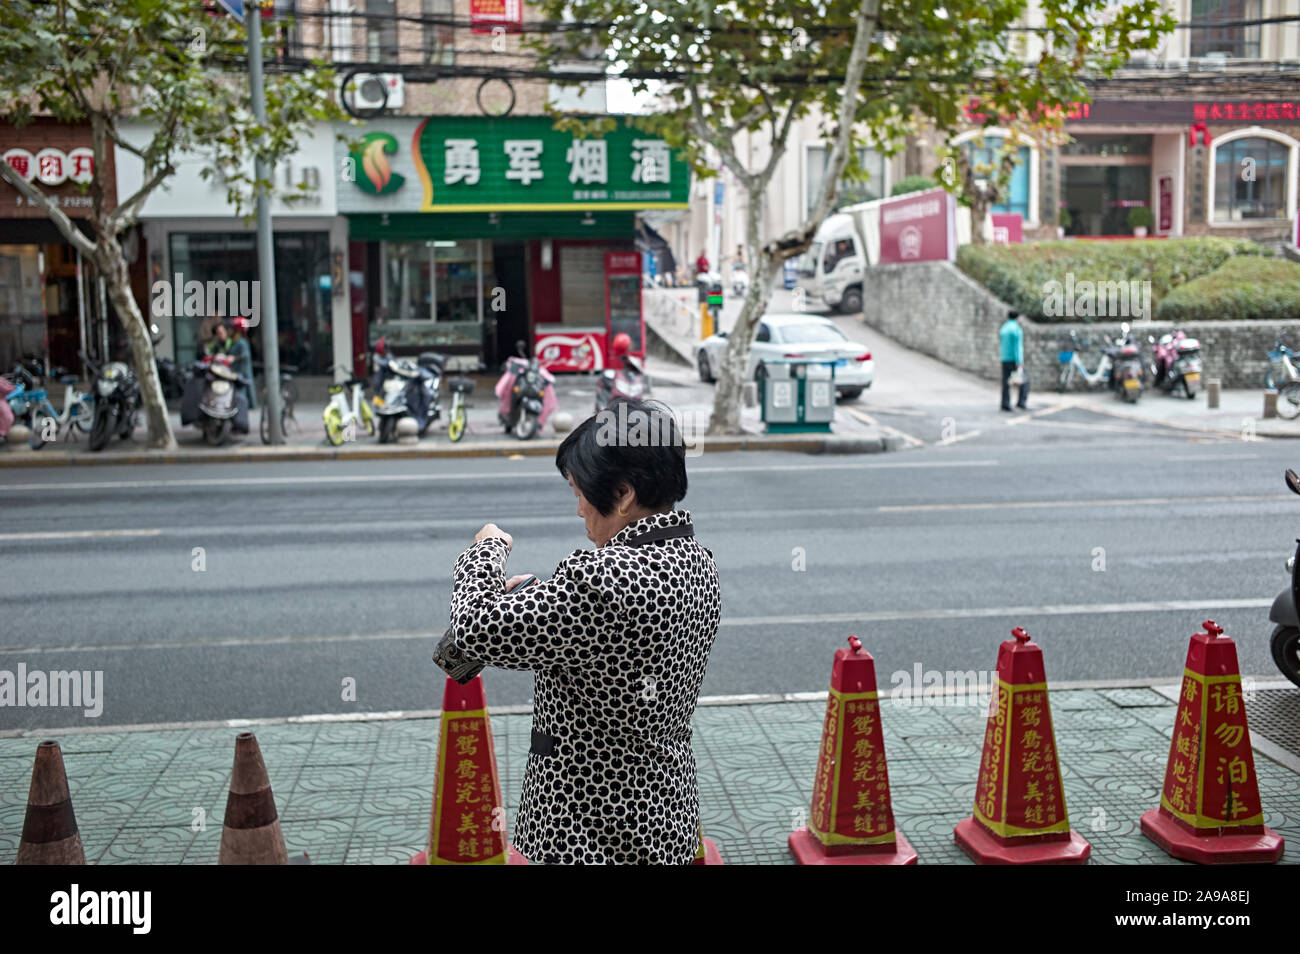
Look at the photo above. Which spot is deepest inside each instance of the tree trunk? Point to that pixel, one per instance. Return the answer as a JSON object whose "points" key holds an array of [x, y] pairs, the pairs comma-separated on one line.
{"points": [[725, 418], [112, 264]]}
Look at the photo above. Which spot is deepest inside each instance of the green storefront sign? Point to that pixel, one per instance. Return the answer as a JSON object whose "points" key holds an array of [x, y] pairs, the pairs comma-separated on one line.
{"points": [[477, 164]]}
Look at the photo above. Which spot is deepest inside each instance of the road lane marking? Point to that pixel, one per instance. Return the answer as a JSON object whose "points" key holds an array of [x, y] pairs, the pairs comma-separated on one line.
{"points": [[809, 619], [430, 478], [1049, 504], [79, 534], [1052, 409], [892, 431]]}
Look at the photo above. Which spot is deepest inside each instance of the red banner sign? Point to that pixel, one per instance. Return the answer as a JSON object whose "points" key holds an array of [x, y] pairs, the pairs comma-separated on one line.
{"points": [[919, 228], [486, 15]]}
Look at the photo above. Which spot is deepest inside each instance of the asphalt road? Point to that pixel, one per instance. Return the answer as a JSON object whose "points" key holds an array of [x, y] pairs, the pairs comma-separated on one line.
{"points": [[316, 573]]}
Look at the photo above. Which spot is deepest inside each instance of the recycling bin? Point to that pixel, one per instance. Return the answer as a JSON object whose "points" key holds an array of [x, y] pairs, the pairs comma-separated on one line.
{"points": [[797, 396]]}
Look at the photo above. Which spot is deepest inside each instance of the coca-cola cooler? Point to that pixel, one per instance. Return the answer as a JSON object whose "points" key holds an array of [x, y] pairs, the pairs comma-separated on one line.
{"points": [[565, 348]]}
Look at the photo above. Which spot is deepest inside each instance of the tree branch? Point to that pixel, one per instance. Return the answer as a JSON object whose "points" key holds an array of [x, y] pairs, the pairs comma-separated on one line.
{"points": [[61, 221]]}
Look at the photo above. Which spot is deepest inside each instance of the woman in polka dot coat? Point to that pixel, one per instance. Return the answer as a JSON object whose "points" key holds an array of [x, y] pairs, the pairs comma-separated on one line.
{"points": [[618, 638]]}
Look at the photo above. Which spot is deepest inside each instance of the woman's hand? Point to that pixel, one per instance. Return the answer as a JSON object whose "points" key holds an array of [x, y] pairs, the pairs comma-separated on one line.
{"points": [[492, 530], [516, 580]]}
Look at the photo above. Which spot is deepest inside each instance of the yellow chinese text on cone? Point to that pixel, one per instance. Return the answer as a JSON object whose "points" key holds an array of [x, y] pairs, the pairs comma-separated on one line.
{"points": [[1210, 809], [1020, 815], [852, 820]]}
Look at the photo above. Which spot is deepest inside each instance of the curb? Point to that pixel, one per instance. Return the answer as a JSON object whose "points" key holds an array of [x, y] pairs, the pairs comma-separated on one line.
{"points": [[807, 444]]}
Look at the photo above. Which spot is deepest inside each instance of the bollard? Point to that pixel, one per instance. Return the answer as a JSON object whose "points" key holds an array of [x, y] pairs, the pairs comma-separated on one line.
{"points": [[1212, 393], [706, 321], [1270, 404]]}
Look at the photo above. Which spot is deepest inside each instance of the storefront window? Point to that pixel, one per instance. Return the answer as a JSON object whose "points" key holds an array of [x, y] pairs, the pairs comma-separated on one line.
{"points": [[439, 39], [849, 192], [435, 280], [1098, 197], [1232, 41], [1250, 177], [304, 316], [1016, 194]]}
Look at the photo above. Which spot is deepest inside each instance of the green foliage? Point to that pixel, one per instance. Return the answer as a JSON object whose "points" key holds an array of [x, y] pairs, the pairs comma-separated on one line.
{"points": [[1241, 288], [1140, 217], [1018, 274], [746, 64], [913, 184], [167, 62], [1063, 218]]}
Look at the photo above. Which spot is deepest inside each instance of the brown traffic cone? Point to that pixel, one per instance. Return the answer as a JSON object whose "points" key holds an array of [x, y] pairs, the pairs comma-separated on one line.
{"points": [[251, 835], [50, 828]]}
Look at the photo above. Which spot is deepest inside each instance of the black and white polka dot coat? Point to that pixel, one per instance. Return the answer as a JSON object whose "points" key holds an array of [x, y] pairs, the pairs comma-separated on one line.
{"points": [[618, 638]]}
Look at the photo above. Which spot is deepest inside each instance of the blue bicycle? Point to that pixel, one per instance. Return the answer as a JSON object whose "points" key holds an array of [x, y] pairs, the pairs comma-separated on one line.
{"points": [[1283, 377], [31, 405]]}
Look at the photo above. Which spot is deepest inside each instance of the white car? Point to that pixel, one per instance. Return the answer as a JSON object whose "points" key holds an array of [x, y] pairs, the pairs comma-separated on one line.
{"points": [[796, 336]]}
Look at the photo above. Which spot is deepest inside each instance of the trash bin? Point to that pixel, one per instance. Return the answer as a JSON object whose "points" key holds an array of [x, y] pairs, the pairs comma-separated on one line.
{"points": [[797, 396]]}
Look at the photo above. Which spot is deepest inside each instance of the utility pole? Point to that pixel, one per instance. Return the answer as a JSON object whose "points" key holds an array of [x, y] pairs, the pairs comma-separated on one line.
{"points": [[265, 241]]}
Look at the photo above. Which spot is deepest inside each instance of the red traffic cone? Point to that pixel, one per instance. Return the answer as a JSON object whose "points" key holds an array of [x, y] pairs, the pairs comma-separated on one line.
{"points": [[468, 823], [1210, 809], [50, 834], [251, 834], [707, 853], [852, 821], [1020, 816]]}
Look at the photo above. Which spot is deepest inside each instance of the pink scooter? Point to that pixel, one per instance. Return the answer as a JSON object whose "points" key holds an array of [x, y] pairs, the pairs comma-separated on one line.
{"points": [[1177, 362], [526, 395]]}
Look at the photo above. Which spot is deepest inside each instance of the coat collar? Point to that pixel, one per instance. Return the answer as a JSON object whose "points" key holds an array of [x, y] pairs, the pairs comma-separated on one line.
{"points": [[673, 518]]}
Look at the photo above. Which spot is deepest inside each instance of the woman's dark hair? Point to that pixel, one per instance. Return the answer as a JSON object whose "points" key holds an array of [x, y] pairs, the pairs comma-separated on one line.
{"points": [[631, 442]]}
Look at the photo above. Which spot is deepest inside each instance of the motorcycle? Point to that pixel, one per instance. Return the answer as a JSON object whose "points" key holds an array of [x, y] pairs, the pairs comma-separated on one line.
{"points": [[629, 380], [1176, 363], [406, 388], [117, 399], [1285, 641], [216, 399], [739, 280], [526, 395], [1129, 374]]}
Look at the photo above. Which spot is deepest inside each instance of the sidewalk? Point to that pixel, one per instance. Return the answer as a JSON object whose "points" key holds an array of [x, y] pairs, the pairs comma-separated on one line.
{"points": [[676, 386], [360, 792]]}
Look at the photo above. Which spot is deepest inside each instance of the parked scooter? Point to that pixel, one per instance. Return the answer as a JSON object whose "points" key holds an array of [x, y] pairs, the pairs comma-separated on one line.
{"points": [[216, 399], [117, 399], [739, 280], [1176, 363], [627, 379], [1129, 376], [173, 377], [526, 395], [406, 388], [1285, 642]]}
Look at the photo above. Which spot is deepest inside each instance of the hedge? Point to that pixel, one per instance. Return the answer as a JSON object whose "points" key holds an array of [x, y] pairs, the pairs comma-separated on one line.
{"points": [[1241, 288], [1020, 274]]}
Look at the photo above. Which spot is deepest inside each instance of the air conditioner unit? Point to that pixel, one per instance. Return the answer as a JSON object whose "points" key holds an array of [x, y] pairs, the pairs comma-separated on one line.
{"points": [[366, 92]]}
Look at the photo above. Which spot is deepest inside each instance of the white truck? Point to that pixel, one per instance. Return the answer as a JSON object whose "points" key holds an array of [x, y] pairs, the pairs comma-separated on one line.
{"points": [[832, 271]]}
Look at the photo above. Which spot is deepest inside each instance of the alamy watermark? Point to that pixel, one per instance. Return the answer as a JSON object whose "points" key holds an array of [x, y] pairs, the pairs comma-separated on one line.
{"points": [[657, 428], [76, 688], [213, 299], [1087, 299], [932, 687]]}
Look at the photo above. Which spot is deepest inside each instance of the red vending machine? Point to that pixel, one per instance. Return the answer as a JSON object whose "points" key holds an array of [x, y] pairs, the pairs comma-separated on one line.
{"points": [[623, 301]]}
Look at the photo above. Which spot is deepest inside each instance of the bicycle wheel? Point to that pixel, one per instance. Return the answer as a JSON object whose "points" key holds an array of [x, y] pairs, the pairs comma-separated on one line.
{"points": [[1288, 401], [456, 424], [334, 425], [367, 417], [83, 413]]}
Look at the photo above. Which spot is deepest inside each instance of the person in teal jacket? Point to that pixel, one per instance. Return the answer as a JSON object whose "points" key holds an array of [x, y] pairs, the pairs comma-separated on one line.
{"points": [[1012, 338], [243, 355]]}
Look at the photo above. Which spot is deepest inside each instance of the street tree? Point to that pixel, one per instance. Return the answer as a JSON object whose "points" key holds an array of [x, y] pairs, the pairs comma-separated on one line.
{"points": [[180, 68], [871, 70]]}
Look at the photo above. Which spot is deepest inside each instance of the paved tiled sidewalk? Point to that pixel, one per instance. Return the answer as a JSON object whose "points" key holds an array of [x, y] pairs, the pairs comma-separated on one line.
{"points": [[360, 792]]}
